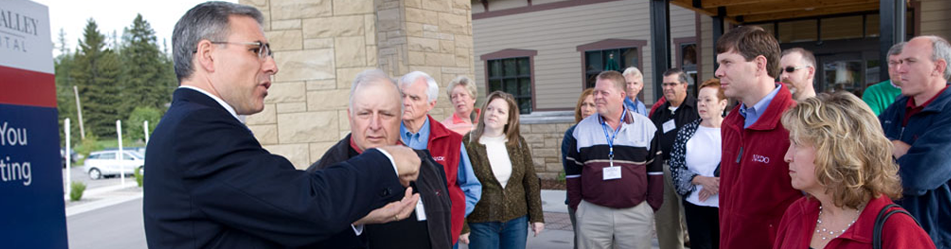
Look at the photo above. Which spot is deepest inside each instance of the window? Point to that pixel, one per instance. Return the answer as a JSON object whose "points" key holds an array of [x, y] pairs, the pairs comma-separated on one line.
{"points": [[798, 31], [609, 59], [513, 76], [511, 71], [687, 61], [610, 54], [108, 156]]}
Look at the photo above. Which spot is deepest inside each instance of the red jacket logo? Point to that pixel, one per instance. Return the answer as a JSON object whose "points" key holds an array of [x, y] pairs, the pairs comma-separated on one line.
{"points": [[760, 158], [439, 158]]}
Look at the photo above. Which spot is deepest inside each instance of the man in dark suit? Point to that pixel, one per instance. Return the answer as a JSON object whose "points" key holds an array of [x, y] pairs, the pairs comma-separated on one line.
{"points": [[211, 184]]}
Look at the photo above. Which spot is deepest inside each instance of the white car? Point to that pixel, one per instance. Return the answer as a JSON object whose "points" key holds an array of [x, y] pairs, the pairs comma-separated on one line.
{"points": [[104, 163]]}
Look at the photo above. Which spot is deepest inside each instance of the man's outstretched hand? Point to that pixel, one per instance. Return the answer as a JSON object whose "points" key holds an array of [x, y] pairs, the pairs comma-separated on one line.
{"points": [[407, 162], [394, 211]]}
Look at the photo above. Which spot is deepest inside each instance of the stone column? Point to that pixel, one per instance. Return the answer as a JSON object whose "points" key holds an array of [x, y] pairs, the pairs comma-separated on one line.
{"points": [[321, 45], [433, 36]]}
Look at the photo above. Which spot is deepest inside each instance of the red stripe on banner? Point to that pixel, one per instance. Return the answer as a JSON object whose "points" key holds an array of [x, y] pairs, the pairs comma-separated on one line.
{"points": [[25, 87]]}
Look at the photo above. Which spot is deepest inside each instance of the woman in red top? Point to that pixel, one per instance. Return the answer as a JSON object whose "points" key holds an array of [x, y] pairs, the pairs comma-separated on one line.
{"points": [[840, 158]]}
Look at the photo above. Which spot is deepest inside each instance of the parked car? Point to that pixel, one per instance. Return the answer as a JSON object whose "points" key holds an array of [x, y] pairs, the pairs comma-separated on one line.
{"points": [[105, 163]]}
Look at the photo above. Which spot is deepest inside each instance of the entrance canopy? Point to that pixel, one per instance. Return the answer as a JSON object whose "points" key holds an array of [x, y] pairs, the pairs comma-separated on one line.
{"points": [[740, 11]]}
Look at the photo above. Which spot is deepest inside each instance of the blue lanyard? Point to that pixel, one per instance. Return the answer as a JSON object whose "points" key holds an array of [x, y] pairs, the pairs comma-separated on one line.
{"points": [[610, 138]]}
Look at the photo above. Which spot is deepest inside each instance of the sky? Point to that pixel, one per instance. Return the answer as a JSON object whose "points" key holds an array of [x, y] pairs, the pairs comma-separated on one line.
{"points": [[114, 15]]}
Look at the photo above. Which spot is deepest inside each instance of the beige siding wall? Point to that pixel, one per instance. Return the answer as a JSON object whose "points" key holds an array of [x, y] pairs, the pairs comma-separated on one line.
{"points": [[504, 4], [682, 25], [936, 18], [707, 51], [556, 33]]}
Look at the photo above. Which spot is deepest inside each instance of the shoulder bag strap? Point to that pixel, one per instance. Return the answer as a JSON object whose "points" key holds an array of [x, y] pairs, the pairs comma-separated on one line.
{"points": [[880, 223]]}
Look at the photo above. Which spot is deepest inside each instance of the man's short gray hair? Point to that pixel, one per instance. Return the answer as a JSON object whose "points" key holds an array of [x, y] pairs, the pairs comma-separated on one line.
{"points": [[205, 21], [941, 50], [633, 71], [370, 76], [896, 49], [432, 89]]}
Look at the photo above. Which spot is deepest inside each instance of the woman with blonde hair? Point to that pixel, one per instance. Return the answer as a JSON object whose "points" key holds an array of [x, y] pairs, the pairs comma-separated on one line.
{"points": [[462, 93], [511, 192], [839, 156]]}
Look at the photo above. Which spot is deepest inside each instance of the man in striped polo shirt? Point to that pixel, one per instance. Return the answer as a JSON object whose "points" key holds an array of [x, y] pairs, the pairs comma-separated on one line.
{"points": [[614, 181]]}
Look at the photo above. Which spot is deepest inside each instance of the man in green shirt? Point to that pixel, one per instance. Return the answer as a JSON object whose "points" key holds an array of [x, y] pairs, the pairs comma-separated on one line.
{"points": [[881, 95]]}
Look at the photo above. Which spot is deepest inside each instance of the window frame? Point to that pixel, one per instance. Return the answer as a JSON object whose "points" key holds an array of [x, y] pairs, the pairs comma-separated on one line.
{"points": [[679, 44], [609, 44], [512, 54]]}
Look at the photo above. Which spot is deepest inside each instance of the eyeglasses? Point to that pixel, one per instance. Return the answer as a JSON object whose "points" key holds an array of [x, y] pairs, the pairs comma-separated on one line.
{"points": [[791, 69], [263, 50]]}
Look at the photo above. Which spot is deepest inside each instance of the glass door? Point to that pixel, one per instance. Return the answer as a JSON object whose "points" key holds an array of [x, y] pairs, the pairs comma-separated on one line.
{"points": [[841, 72]]}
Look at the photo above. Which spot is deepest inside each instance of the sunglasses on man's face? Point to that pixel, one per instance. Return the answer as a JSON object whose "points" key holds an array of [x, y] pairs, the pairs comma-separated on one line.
{"points": [[791, 69]]}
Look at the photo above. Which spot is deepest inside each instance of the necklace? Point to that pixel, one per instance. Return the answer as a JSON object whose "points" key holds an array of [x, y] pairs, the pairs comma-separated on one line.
{"points": [[821, 230]]}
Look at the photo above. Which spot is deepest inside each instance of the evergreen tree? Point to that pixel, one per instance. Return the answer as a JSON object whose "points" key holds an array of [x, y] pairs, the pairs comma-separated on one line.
{"points": [[65, 99], [96, 73], [143, 62]]}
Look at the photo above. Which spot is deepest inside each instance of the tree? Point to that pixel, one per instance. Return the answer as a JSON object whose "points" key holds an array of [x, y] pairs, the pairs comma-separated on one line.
{"points": [[96, 72], [143, 84], [65, 99], [133, 126]]}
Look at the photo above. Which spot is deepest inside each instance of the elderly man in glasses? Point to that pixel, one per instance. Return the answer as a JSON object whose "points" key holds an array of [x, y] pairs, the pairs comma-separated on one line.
{"points": [[798, 72]]}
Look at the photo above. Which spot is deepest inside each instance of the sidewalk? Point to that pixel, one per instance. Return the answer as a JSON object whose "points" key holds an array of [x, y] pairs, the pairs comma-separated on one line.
{"points": [[557, 234], [103, 197]]}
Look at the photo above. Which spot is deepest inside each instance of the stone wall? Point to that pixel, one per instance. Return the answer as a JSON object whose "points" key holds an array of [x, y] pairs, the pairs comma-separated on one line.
{"points": [[321, 45], [433, 36], [545, 142]]}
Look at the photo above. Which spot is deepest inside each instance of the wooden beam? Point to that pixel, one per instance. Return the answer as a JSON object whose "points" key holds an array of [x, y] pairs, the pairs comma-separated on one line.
{"points": [[707, 4], [816, 12], [806, 5], [688, 4]]}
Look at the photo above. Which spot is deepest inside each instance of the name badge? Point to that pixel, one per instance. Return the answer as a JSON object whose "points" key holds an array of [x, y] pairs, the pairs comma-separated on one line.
{"points": [[420, 211], [611, 173], [669, 126]]}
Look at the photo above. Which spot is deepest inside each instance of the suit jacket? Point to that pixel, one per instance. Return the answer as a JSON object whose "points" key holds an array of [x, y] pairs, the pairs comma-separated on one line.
{"points": [[431, 186], [210, 184]]}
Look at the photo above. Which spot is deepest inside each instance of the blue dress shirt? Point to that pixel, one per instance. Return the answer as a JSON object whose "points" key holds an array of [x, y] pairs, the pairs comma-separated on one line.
{"points": [[752, 113], [466, 178], [636, 106]]}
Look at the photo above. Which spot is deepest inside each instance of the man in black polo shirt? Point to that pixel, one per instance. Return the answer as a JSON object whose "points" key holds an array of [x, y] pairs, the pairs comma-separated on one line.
{"points": [[679, 110]]}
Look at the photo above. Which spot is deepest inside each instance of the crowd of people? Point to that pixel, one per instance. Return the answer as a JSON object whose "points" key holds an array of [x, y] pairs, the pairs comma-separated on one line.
{"points": [[784, 168]]}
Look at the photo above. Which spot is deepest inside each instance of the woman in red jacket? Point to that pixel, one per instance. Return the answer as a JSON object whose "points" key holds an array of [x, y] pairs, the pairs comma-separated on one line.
{"points": [[840, 158]]}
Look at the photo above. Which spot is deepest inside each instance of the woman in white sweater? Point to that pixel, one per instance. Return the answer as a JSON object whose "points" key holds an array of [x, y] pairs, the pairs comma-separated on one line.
{"points": [[695, 166], [511, 194]]}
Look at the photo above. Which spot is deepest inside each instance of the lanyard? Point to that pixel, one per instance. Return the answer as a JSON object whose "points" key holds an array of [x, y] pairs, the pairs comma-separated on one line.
{"points": [[610, 138]]}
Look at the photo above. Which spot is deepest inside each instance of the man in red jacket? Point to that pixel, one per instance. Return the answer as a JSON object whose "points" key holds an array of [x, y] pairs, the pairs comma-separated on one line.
{"points": [[421, 132], [755, 186]]}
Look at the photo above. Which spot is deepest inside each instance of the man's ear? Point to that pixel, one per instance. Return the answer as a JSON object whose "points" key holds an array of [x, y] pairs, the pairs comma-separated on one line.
{"points": [[812, 72], [761, 63], [941, 66], [203, 56]]}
